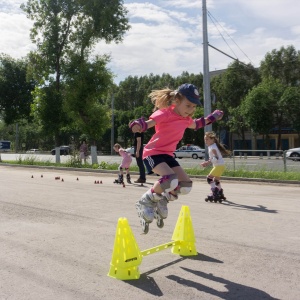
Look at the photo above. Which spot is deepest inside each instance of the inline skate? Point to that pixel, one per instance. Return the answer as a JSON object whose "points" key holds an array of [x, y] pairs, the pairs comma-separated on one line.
{"points": [[128, 178], [119, 180], [214, 196], [147, 210]]}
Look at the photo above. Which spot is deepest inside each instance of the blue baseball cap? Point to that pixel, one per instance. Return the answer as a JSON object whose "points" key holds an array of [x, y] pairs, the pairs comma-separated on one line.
{"points": [[190, 92]]}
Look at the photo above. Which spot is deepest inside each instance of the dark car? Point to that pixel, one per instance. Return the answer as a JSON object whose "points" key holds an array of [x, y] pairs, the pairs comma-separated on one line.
{"points": [[64, 150]]}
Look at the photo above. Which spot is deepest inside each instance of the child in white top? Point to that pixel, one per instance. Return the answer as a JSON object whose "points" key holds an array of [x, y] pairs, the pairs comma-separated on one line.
{"points": [[215, 151]]}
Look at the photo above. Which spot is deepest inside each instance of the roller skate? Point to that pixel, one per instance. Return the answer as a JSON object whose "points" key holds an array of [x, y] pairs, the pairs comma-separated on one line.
{"points": [[214, 196], [221, 195], [161, 211], [146, 209], [128, 178], [119, 180]]}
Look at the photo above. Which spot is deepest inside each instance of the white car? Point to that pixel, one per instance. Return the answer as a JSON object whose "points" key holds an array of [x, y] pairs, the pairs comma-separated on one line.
{"points": [[131, 150], [293, 154], [33, 151], [190, 151]]}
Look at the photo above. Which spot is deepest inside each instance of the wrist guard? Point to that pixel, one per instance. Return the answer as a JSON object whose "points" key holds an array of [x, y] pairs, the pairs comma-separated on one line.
{"points": [[141, 122], [199, 123], [214, 116]]}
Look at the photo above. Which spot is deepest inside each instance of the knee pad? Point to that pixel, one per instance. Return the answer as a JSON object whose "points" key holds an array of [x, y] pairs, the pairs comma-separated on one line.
{"points": [[209, 179], [168, 182], [184, 187], [120, 168], [217, 182]]}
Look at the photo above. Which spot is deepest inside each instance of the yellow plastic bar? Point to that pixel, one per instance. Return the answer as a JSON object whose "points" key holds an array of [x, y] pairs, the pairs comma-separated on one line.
{"points": [[159, 248]]}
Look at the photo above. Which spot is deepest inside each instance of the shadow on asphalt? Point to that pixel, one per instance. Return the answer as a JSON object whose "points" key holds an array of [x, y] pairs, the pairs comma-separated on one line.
{"points": [[259, 208], [148, 284], [234, 290]]}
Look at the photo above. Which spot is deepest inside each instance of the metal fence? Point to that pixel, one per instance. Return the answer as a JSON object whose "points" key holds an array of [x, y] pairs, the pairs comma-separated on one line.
{"points": [[279, 155]]}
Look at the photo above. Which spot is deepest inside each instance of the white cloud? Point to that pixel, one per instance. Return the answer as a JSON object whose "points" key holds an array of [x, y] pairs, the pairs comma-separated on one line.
{"points": [[14, 35], [182, 3]]}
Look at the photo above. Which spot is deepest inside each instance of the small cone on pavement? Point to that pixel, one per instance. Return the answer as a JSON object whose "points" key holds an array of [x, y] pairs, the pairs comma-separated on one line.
{"points": [[31, 176]]}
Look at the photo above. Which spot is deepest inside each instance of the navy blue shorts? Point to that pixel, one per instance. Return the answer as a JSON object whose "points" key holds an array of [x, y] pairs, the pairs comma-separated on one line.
{"points": [[155, 160]]}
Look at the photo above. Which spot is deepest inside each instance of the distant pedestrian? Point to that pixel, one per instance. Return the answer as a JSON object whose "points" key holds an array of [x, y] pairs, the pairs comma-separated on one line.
{"points": [[83, 151]]}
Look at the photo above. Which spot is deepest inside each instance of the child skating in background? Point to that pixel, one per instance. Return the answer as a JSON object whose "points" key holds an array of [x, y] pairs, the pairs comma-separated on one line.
{"points": [[172, 115], [125, 164], [215, 151]]}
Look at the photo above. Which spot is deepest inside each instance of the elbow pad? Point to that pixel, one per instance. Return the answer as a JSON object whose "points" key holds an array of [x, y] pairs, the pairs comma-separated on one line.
{"points": [[141, 122], [214, 116]]}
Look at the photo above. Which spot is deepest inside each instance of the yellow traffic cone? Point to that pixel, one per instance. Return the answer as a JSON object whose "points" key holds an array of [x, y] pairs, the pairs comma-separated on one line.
{"points": [[184, 233], [126, 256]]}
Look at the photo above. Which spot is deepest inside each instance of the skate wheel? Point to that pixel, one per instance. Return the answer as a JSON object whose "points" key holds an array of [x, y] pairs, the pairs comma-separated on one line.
{"points": [[220, 201], [160, 223], [146, 228], [215, 201], [211, 200], [206, 200]]}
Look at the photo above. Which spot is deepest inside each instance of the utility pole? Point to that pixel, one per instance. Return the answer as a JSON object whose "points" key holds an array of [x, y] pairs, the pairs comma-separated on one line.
{"points": [[206, 77], [112, 133]]}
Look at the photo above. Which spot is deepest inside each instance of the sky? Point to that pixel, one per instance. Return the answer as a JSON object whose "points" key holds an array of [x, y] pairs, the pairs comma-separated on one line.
{"points": [[166, 36]]}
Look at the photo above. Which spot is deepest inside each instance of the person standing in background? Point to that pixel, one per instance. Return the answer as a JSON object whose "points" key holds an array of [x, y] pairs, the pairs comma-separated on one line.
{"points": [[83, 151], [138, 150]]}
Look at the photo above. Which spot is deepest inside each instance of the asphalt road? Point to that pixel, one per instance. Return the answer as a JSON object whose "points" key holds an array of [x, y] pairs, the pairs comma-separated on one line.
{"points": [[57, 238]]}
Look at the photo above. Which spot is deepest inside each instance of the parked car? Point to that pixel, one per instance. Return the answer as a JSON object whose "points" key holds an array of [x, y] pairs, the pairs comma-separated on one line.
{"points": [[131, 150], [33, 151], [293, 154], [190, 151], [64, 150]]}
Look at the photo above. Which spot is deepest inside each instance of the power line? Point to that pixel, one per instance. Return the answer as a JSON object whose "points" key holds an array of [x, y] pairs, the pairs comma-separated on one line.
{"points": [[211, 18]]}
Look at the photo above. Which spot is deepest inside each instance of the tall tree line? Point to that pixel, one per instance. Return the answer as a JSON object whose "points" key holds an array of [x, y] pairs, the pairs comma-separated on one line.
{"points": [[61, 92]]}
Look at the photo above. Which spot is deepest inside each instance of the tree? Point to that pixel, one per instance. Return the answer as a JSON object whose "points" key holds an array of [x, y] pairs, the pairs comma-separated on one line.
{"points": [[85, 85], [283, 65], [15, 90], [263, 108], [291, 103], [229, 89], [64, 29]]}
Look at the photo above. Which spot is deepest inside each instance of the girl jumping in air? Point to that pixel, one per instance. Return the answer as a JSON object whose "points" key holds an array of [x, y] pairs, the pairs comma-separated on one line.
{"points": [[173, 110], [215, 151], [125, 164]]}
